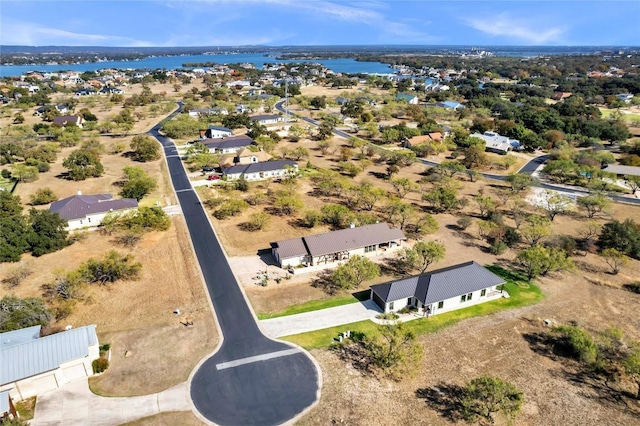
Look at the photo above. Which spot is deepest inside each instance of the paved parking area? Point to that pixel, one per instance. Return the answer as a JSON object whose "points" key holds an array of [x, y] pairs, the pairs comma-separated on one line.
{"points": [[317, 320], [74, 404]]}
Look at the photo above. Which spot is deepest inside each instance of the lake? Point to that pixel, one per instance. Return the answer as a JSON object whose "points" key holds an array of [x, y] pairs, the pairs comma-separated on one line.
{"points": [[343, 65]]}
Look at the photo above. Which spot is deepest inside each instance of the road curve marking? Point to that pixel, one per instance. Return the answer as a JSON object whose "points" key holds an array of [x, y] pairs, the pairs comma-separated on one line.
{"points": [[256, 358]]}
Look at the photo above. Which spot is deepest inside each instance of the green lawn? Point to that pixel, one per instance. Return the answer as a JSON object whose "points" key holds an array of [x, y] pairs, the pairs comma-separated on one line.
{"points": [[521, 292], [6, 184], [627, 118], [314, 305]]}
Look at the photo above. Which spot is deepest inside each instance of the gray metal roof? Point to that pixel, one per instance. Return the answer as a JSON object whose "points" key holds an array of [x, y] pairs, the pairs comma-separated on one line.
{"points": [[16, 337], [440, 284], [265, 117], [290, 248], [79, 206], [352, 238], [337, 241], [228, 142], [45, 354], [264, 166]]}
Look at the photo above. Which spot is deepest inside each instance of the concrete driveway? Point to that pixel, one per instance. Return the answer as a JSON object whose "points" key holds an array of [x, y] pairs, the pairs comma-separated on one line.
{"points": [[74, 404], [318, 320]]}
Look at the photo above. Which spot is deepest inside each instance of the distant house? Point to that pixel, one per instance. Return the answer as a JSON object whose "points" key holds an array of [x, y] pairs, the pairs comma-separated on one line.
{"points": [[496, 143], [32, 364], [107, 90], [267, 119], [333, 247], [422, 139], [208, 112], [82, 211], [408, 98], [625, 97], [261, 171], [228, 145], [65, 120], [341, 100], [86, 92], [243, 157], [450, 105], [559, 96], [215, 132], [440, 291]]}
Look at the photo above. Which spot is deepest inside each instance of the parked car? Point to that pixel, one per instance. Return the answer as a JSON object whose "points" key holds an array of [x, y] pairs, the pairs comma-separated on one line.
{"points": [[207, 169], [213, 177]]}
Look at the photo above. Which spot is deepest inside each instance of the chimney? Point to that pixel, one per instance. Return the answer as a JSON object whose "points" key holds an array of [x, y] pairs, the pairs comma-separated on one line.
{"points": [[79, 192]]}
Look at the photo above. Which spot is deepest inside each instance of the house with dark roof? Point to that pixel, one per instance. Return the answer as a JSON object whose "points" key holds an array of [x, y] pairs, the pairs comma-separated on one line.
{"points": [[215, 132], [32, 364], [331, 248], [440, 291], [261, 171], [228, 145], [267, 119], [65, 120], [82, 211]]}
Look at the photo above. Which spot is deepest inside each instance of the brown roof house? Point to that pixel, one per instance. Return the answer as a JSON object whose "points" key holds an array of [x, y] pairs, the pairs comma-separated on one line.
{"points": [[330, 248], [65, 120], [82, 211]]}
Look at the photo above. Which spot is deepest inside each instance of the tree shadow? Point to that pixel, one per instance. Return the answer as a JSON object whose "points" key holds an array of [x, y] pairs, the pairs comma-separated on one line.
{"points": [[325, 282], [444, 398]]}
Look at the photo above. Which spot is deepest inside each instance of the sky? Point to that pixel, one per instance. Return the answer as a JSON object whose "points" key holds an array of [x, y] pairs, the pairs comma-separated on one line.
{"points": [[171, 23]]}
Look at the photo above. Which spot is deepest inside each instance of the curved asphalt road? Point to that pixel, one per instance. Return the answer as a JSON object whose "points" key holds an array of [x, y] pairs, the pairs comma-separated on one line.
{"points": [[250, 380], [528, 168]]}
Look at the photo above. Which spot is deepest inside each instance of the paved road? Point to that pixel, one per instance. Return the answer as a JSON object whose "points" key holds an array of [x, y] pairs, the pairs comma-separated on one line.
{"points": [[251, 379], [528, 168]]}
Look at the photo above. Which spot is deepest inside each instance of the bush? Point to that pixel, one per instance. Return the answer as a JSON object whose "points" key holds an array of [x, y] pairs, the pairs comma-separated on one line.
{"points": [[43, 196], [230, 208], [576, 343], [99, 365], [18, 313], [633, 287], [622, 236], [464, 222], [498, 247]]}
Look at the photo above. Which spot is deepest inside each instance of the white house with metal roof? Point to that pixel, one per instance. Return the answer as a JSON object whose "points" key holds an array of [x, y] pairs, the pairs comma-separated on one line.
{"points": [[440, 291], [497, 143], [83, 211], [277, 169], [331, 248], [32, 364]]}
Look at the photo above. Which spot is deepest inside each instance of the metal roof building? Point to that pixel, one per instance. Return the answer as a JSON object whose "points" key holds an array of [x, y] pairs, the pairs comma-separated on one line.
{"points": [[80, 206], [437, 286]]}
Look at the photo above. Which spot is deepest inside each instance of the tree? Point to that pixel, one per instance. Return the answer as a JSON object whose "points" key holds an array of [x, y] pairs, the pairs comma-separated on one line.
{"points": [[49, 233], [485, 396], [399, 212], [633, 182], [615, 259], [82, 164], [111, 268], [622, 236], [422, 255], [288, 204], [486, 205], [450, 168], [145, 148], [555, 203], [354, 272], [519, 182], [402, 186], [393, 349], [257, 221], [318, 102], [43, 196], [594, 203], [16, 313], [443, 197], [137, 183], [229, 208], [540, 260], [474, 157]]}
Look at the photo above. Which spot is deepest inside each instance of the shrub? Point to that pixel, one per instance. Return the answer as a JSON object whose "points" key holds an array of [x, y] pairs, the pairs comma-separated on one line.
{"points": [[43, 196], [230, 208], [622, 236], [498, 247], [18, 313], [99, 365], [576, 343], [464, 222], [633, 287]]}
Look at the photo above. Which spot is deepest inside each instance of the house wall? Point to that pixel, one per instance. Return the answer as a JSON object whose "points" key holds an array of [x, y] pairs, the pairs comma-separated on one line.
{"points": [[258, 176], [360, 251], [91, 220], [50, 380], [449, 305]]}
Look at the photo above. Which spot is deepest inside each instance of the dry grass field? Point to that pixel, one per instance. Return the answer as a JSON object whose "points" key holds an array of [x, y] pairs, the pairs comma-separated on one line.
{"points": [[151, 349]]}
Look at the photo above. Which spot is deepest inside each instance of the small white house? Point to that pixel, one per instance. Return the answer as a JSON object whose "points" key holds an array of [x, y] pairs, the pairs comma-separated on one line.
{"points": [[262, 171], [84, 211], [337, 246], [440, 291], [267, 119], [497, 143], [228, 145], [215, 132], [32, 364]]}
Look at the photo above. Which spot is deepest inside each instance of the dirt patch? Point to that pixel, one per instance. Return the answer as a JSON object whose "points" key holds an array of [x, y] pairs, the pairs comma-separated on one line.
{"points": [[184, 418]]}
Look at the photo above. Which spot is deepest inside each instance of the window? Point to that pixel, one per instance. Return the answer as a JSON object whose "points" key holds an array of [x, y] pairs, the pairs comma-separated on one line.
{"points": [[370, 249], [391, 306], [483, 292], [469, 296], [463, 298], [440, 304]]}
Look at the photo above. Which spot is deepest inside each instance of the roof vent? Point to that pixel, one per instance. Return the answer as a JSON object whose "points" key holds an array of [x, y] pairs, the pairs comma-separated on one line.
{"points": [[79, 192]]}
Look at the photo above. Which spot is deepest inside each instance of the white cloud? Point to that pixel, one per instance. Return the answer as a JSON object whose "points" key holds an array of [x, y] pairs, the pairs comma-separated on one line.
{"points": [[503, 25], [27, 33]]}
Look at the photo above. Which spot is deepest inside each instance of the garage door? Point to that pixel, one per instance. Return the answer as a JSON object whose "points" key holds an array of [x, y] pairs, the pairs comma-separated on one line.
{"points": [[45, 383], [74, 372]]}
